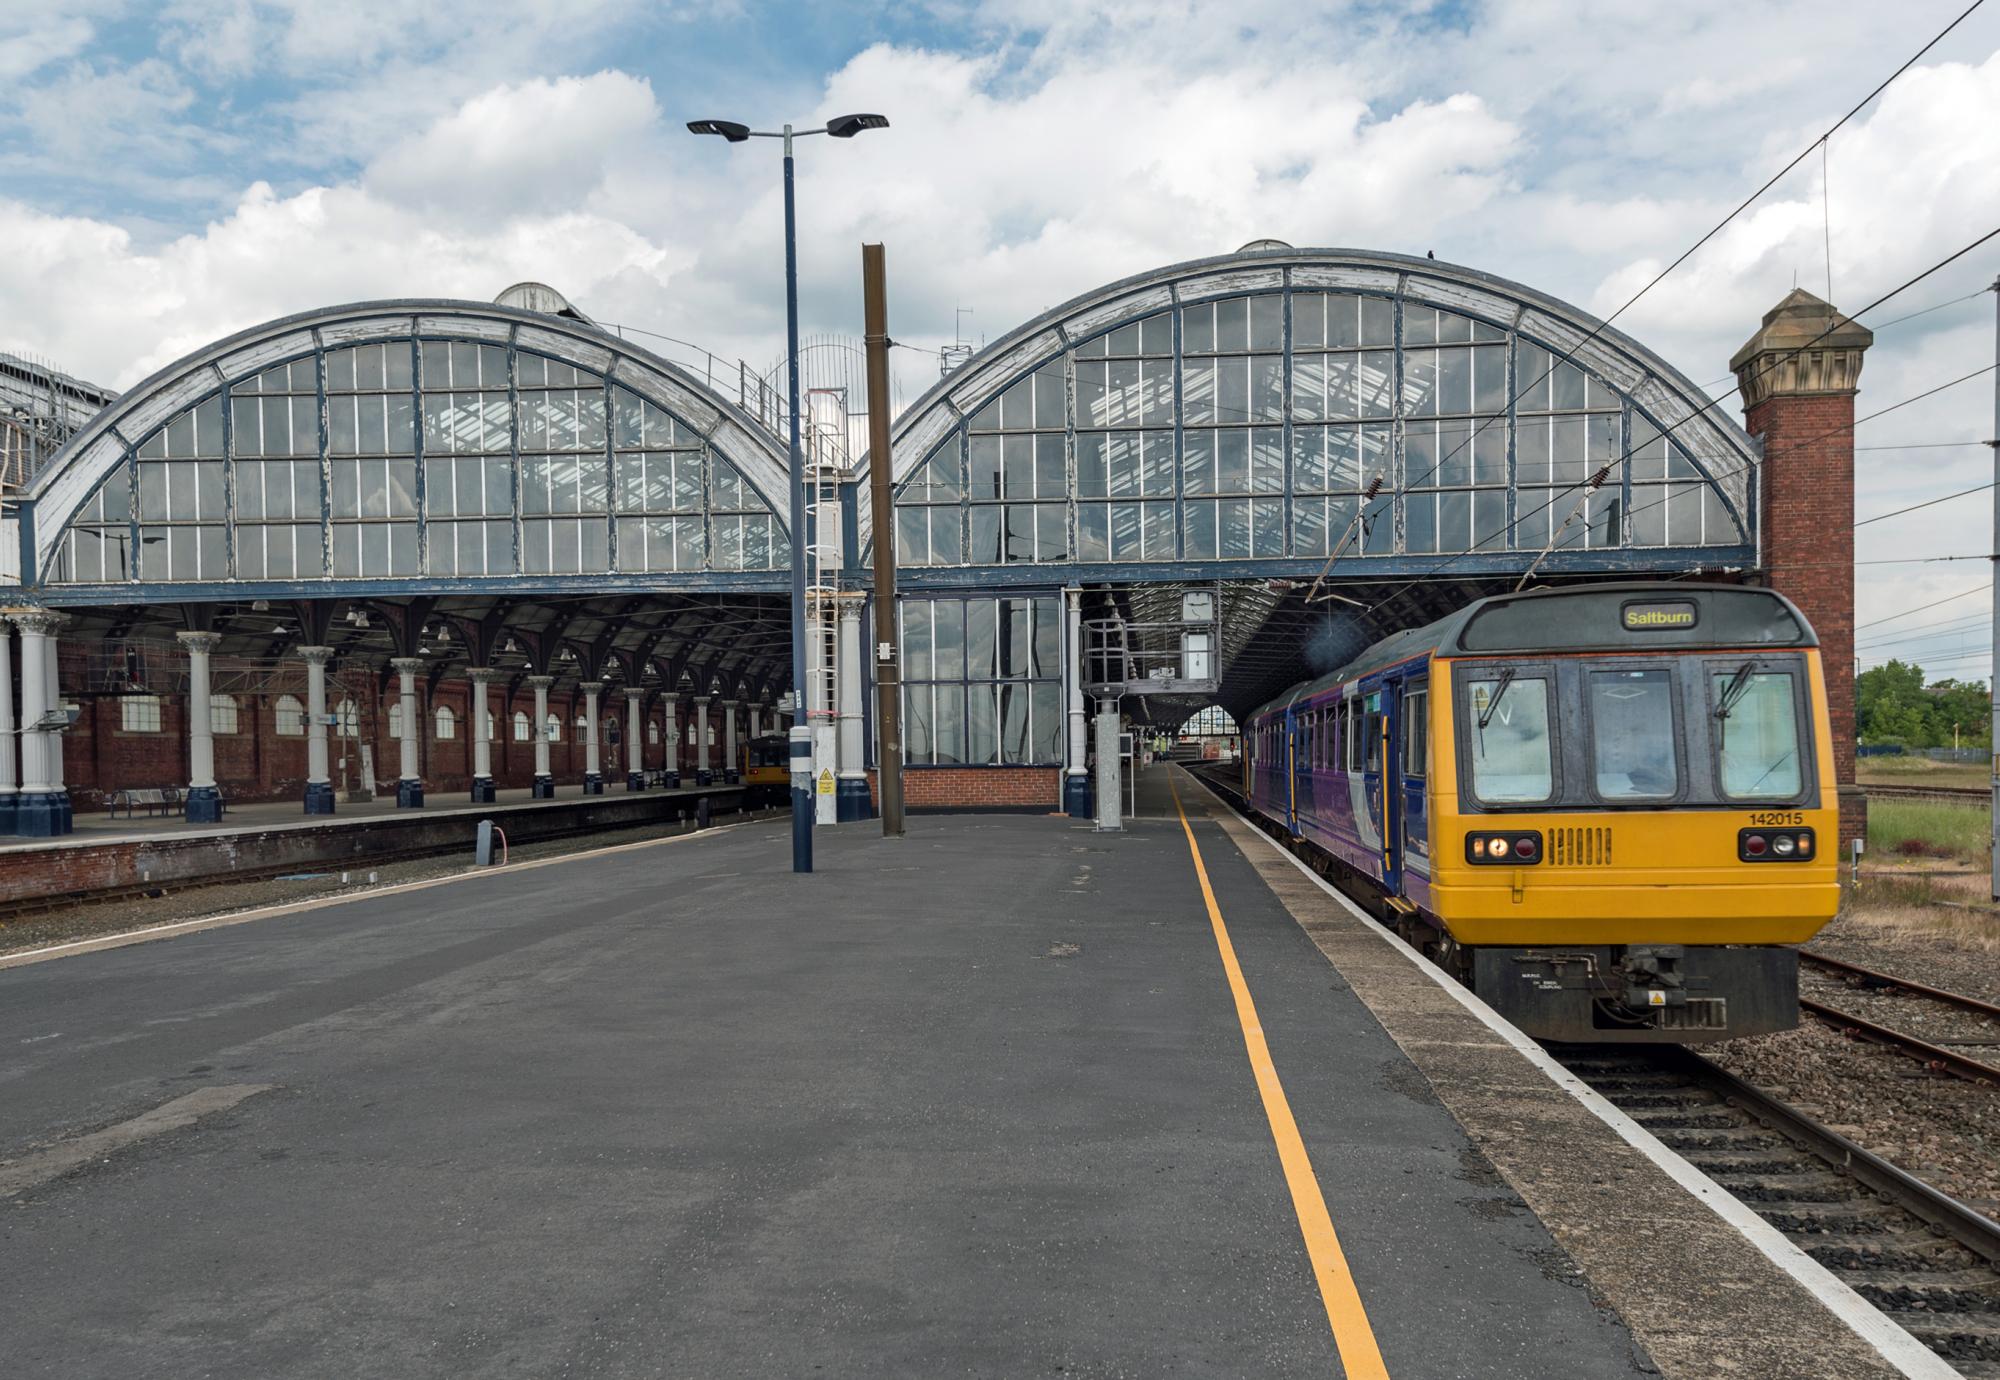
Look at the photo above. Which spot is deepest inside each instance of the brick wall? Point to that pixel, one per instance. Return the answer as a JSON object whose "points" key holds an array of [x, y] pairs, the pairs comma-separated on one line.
{"points": [[1808, 498], [941, 789]]}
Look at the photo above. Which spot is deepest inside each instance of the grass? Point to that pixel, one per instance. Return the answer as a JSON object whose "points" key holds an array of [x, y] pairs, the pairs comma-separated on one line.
{"points": [[1907, 908], [1928, 829], [1921, 771]]}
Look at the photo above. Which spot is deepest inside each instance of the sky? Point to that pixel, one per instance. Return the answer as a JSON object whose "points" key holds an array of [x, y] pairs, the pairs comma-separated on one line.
{"points": [[177, 170]]}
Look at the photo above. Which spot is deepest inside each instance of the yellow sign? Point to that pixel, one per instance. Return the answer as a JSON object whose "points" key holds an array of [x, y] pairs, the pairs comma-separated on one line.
{"points": [[1649, 617], [825, 782]]}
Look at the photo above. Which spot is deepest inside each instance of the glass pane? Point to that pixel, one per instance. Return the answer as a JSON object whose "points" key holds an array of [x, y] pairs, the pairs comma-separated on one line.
{"points": [[1757, 735], [982, 724], [917, 640], [917, 723], [1632, 734], [981, 638], [948, 639], [1511, 761], [948, 725]]}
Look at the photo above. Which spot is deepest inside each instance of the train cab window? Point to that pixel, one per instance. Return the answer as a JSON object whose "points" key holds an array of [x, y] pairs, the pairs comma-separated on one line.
{"points": [[1416, 730], [1632, 734], [1757, 734], [1512, 763]]}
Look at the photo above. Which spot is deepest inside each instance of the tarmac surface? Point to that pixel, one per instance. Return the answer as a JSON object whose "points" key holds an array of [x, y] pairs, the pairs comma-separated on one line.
{"points": [[975, 1102]]}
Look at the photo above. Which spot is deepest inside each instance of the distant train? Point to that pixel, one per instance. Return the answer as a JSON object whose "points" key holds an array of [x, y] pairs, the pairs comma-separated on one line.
{"points": [[766, 769], [1608, 809]]}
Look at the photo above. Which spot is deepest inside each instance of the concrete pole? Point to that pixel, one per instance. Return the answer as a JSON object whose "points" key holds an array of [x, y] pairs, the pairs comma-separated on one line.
{"points": [[635, 760], [673, 707], [1076, 781], [545, 783], [593, 774], [701, 776], [10, 788], [482, 735], [204, 801], [1993, 667], [39, 813], [732, 771], [409, 783], [851, 800], [1108, 764], [319, 781]]}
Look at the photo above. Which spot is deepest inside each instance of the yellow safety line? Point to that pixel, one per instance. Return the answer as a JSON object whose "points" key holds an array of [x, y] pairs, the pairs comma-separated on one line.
{"points": [[1360, 1357]]}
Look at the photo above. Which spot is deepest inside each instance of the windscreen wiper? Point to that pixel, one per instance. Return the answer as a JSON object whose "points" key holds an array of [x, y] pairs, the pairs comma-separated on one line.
{"points": [[1731, 693], [1493, 705]]}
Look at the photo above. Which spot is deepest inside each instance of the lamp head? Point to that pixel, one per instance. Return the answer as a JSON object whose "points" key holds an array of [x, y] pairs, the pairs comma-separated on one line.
{"points": [[728, 129], [847, 126]]}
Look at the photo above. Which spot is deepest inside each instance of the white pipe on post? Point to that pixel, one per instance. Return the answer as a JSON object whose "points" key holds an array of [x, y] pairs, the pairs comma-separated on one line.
{"points": [[1076, 781], [545, 786], [701, 775], [851, 790], [482, 735], [593, 775], [635, 762], [9, 777]]}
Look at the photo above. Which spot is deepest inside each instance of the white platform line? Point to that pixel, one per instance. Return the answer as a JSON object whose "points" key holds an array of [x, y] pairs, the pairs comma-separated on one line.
{"points": [[1909, 1356]]}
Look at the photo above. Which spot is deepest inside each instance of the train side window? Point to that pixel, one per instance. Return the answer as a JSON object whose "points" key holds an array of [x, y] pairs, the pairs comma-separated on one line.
{"points": [[1371, 728], [1416, 730], [1508, 724]]}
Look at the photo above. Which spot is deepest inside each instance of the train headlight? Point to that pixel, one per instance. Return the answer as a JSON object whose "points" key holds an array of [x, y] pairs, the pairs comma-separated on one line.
{"points": [[1516, 847], [1774, 845]]}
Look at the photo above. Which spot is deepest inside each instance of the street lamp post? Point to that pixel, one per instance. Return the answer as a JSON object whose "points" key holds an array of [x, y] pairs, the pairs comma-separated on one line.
{"points": [[840, 127]]}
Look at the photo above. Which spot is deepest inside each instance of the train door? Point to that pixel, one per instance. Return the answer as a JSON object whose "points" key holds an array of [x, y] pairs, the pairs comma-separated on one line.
{"points": [[1293, 764], [1385, 781], [1413, 755]]}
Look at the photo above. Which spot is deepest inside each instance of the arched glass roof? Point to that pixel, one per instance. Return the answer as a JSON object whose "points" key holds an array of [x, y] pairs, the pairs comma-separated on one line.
{"points": [[1251, 415], [447, 445]]}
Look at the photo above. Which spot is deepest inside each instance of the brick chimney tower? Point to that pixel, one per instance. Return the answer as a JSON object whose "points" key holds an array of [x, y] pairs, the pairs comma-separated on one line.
{"points": [[1798, 377]]}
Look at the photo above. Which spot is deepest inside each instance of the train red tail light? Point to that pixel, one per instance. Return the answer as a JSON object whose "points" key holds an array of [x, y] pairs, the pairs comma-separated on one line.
{"points": [[1754, 845], [1525, 848]]}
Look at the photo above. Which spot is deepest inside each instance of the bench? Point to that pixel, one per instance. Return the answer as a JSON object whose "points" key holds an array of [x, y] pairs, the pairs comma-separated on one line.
{"points": [[154, 800]]}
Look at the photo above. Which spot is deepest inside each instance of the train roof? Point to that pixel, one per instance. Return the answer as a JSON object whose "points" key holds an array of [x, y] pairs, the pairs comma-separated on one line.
{"points": [[1621, 617]]}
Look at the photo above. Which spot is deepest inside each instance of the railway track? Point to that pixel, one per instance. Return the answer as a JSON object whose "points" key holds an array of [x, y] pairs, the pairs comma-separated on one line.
{"points": [[1927, 1261], [1966, 795], [1946, 1053]]}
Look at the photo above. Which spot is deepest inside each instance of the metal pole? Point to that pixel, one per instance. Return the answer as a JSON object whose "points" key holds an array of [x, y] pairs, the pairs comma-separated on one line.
{"points": [[1993, 671], [801, 735], [888, 665]]}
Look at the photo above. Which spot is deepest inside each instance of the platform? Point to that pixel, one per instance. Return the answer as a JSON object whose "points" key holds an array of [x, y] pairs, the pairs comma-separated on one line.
{"points": [[987, 1100], [105, 853]]}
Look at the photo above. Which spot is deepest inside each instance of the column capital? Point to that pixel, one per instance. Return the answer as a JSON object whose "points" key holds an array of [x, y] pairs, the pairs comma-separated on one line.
{"points": [[1805, 346], [480, 675], [407, 665], [38, 621], [591, 687], [541, 682], [703, 699], [635, 693], [198, 641], [315, 656]]}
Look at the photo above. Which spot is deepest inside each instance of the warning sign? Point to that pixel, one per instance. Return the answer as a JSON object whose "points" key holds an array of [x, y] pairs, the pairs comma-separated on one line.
{"points": [[825, 782]]}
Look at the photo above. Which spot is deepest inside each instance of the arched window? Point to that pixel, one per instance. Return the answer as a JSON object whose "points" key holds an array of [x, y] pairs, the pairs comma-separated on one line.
{"points": [[447, 723], [522, 732], [222, 715], [555, 728], [396, 719], [347, 720], [652, 732], [291, 717]]}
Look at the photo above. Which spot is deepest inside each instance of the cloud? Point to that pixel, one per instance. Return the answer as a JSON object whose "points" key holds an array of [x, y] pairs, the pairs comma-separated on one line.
{"points": [[539, 146]]}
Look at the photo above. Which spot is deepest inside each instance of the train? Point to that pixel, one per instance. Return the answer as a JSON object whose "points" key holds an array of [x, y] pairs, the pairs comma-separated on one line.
{"points": [[766, 767], [1610, 810]]}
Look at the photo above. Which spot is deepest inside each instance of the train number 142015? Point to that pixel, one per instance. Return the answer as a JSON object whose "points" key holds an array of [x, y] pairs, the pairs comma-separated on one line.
{"points": [[1770, 819]]}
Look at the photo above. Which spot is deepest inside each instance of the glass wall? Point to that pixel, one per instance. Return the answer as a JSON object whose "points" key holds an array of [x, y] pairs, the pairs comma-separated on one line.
{"points": [[429, 456], [1257, 426], [982, 680]]}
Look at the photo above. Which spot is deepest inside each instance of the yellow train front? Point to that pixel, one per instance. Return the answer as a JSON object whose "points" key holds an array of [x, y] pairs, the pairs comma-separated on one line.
{"points": [[766, 768], [1608, 809]]}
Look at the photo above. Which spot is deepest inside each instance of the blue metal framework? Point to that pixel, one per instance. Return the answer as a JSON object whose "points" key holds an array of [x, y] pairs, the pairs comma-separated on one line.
{"points": [[386, 447], [1226, 419]]}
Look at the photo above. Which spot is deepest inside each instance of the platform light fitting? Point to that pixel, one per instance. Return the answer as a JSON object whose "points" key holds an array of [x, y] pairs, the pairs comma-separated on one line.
{"points": [[847, 126], [728, 129]]}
